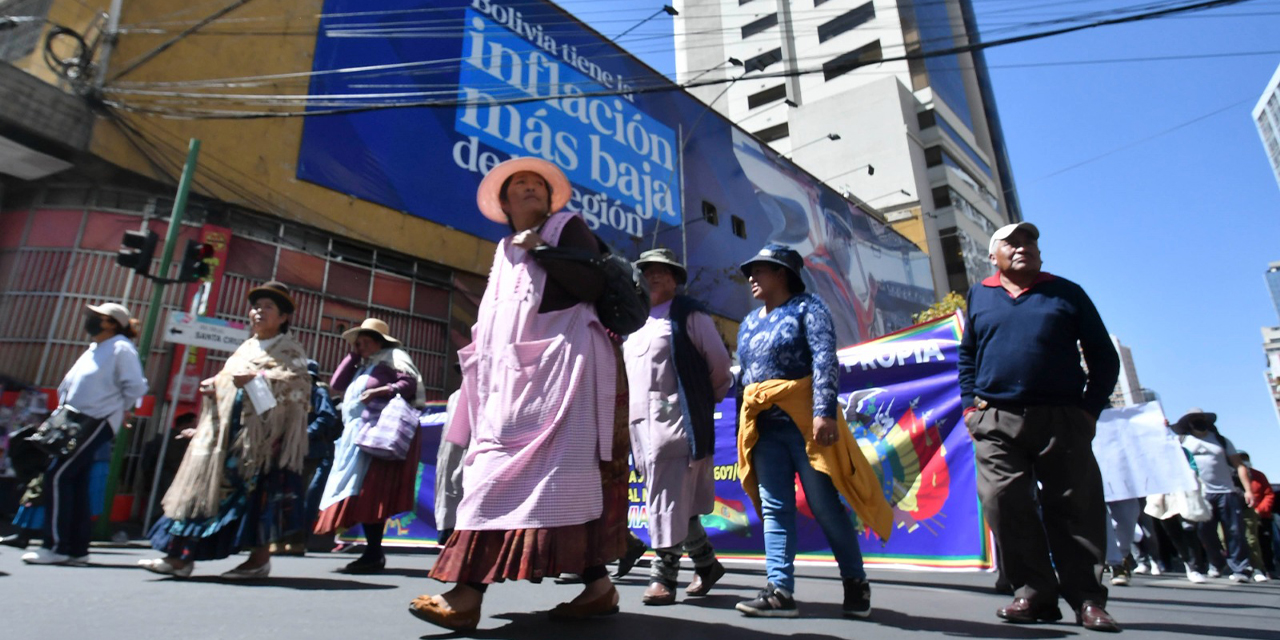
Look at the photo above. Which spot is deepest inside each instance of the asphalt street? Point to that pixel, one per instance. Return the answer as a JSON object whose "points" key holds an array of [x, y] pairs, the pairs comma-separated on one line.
{"points": [[306, 599]]}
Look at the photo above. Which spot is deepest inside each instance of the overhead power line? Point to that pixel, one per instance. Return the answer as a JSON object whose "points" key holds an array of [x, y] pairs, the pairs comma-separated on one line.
{"points": [[144, 58], [1145, 139], [444, 65], [440, 66], [967, 48]]}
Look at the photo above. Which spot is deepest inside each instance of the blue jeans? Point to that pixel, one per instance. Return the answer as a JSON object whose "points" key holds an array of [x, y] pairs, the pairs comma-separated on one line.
{"points": [[315, 491], [1228, 509], [777, 457]]}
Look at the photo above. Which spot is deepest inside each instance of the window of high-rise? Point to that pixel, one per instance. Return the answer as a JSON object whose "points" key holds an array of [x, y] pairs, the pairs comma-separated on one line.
{"points": [[843, 23], [757, 26]]}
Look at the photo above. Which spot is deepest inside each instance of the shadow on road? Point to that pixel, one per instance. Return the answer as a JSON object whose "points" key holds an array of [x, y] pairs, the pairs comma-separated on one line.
{"points": [[963, 628], [938, 585], [110, 565], [635, 626], [623, 626], [1189, 602], [1204, 631], [297, 584], [723, 601], [400, 571]]}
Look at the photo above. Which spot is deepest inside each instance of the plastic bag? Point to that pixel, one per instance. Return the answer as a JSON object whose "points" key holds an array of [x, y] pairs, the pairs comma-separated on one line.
{"points": [[389, 438]]}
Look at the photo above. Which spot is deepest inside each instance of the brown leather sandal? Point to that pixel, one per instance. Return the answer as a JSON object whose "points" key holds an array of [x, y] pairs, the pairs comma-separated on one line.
{"points": [[432, 609]]}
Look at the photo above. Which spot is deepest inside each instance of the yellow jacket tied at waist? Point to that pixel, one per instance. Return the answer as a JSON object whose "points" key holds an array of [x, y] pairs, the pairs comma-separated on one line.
{"points": [[843, 461]]}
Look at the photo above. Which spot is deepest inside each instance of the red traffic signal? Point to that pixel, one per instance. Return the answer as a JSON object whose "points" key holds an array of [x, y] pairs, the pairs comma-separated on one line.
{"points": [[136, 249], [195, 262]]}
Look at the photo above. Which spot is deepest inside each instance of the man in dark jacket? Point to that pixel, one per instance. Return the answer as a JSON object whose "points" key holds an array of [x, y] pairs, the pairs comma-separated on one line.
{"points": [[1032, 411], [323, 429]]}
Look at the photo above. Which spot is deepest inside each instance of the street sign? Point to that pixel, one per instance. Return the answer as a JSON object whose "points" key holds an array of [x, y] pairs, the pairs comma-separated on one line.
{"points": [[199, 331]]}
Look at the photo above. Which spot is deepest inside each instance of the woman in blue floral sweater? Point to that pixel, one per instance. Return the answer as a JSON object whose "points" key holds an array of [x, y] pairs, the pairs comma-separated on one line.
{"points": [[783, 348]]}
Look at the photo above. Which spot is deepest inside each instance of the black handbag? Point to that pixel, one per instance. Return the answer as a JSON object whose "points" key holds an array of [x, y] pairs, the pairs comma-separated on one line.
{"points": [[62, 432], [624, 306], [26, 460]]}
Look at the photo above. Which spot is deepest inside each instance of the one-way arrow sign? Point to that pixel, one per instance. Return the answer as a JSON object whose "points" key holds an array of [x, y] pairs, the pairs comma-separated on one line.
{"points": [[199, 331]]}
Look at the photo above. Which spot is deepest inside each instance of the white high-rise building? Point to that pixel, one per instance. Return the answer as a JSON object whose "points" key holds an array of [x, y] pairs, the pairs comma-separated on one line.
{"points": [[1128, 391], [918, 140], [1267, 116], [1271, 347]]}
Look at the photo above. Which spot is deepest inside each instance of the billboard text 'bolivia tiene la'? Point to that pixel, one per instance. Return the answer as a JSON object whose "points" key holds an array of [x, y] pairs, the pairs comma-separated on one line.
{"points": [[526, 79]]}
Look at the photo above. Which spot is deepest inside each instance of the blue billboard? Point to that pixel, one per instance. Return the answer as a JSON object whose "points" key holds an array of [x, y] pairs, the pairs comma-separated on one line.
{"points": [[421, 99]]}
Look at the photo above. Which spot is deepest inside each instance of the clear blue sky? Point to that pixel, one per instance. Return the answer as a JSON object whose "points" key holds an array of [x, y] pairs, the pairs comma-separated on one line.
{"points": [[1170, 235]]}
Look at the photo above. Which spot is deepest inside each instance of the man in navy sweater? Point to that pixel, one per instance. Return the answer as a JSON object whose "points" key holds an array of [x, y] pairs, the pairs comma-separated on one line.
{"points": [[1032, 411]]}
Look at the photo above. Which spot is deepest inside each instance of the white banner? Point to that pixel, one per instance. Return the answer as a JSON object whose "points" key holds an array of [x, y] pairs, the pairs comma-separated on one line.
{"points": [[1138, 455]]}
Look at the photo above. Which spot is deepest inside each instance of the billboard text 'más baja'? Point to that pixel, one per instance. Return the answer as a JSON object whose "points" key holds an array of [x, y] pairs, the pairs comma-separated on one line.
{"points": [[527, 79]]}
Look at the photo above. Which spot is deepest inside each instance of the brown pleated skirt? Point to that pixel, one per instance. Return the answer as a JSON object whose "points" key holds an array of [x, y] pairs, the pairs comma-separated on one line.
{"points": [[532, 554], [389, 488]]}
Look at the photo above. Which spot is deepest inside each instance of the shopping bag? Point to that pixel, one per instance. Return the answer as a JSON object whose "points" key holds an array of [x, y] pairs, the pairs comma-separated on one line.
{"points": [[390, 436]]}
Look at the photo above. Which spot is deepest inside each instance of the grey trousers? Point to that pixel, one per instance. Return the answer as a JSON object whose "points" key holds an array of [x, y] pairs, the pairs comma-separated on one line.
{"points": [[1051, 445], [666, 568], [448, 484]]}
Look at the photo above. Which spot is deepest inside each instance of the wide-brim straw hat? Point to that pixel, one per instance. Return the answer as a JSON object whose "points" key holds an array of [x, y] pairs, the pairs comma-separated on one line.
{"points": [[112, 310], [1193, 415], [370, 324], [277, 291], [488, 196], [665, 257]]}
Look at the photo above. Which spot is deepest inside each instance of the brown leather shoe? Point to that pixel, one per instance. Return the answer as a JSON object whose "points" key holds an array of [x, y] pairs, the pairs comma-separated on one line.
{"points": [[1023, 611], [704, 579], [606, 604], [659, 593], [1093, 617], [432, 609]]}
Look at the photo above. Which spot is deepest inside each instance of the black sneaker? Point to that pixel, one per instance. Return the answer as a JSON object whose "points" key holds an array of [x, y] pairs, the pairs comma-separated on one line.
{"points": [[771, 602], [857, 598]]}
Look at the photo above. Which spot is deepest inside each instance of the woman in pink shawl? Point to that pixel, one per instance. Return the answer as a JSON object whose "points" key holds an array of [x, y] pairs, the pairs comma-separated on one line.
{"points": [[545, 474]]}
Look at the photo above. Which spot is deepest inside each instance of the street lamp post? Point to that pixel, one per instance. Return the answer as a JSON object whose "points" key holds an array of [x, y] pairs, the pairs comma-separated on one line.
{"points": [[871, 171], [683, 139], [830, 136]]}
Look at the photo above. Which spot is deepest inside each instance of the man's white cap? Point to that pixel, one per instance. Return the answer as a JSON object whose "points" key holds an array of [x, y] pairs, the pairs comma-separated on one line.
{"points": [[115, 311], [1007, 230]]}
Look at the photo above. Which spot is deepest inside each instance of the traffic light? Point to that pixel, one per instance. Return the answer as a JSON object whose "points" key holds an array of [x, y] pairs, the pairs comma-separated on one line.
{"points": [[136, 249], [195, 265]]}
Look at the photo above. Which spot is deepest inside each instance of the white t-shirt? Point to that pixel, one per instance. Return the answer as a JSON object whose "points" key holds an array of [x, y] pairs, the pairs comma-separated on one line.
{"points": [[1211, 461]]}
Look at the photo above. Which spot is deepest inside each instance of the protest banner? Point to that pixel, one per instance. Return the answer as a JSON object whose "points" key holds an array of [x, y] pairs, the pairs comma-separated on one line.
{"points": [[901, 396]]}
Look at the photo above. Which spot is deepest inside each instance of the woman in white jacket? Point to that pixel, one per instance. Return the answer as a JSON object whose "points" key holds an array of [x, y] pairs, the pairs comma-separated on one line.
{"points": [[103, 383]]}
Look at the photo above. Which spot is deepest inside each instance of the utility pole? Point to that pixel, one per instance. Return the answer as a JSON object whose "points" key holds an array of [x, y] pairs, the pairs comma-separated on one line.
{"points": [[112, 33], [103, 527], [789, 54]]}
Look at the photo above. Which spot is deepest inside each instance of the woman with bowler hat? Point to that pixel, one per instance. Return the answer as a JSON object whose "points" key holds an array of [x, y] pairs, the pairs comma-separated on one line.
{"points": [[240, 485]]}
